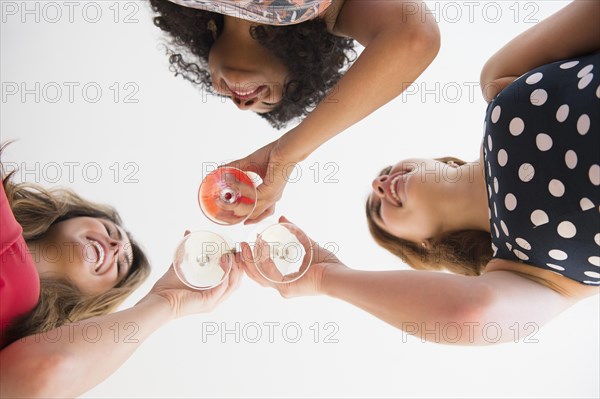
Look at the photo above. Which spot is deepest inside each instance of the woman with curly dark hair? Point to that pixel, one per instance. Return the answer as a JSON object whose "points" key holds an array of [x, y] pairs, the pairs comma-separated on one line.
{"points": [[295, 70]]}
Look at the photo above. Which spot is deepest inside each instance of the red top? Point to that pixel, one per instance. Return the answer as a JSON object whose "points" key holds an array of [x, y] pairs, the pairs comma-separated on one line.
{"points": [[19, 279]]}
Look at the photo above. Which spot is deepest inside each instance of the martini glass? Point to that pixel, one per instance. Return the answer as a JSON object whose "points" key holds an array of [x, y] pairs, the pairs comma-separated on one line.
{"points": [[228, 196], [282, 253], [203, 260]]}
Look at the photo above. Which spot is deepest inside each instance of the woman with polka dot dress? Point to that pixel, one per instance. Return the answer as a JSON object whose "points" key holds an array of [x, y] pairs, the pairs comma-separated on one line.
{"points": [[520, 228]]}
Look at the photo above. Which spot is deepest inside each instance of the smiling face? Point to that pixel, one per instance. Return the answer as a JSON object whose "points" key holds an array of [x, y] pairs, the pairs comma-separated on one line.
{"points": [[245, 71], [94, 254], [410, 200]]}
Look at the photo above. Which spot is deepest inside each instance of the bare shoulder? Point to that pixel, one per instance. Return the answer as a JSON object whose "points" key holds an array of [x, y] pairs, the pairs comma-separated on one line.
{"points": [[364, 20], [557, 282], [330, 15]]}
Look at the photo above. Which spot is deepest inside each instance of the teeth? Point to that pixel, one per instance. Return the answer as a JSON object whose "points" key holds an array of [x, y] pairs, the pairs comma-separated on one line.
{"points": [[393, 188], [245, 93], [100, 260]]}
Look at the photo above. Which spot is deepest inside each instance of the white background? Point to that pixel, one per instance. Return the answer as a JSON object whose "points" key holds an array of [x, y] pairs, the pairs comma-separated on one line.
{"points": [[160, 144]]}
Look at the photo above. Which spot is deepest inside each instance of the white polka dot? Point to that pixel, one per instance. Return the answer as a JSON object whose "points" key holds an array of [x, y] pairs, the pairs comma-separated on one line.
{"points": [[597, 239], [556, 188], [557, 254], [598, 92], [556, 267], [538, 97], [571, 159], [591, 282], [489, 191], [516, 126], [496, 185], [489, 169], [533, 79], [526, 172], [594, 260], [504, 228], [569, 65], [585, 70], [539, 217], [543, 142], [495, 249], [566, 229], [497, 232], [562, 113], [495, 210], [594, 175], [490, 142], [520, 255], [583, 124], [509, 246], [592, 274], [502, 157], [496, 113], [510, 202], [586, 204], [523, 243], [585, 81]]}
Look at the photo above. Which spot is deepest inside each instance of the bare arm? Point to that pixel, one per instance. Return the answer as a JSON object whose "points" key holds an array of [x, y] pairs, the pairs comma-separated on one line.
{"points": [[70, 360], [447, 308], [572, 31], [400, 42], [422, 302]]}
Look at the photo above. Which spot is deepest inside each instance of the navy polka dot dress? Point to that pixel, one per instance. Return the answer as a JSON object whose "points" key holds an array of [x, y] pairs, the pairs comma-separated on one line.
{"points": [[542, 166]]}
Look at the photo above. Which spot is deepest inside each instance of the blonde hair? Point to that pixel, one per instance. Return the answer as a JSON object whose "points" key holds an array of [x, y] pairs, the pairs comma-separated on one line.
{"points": [[464, 252], [36, 209]]}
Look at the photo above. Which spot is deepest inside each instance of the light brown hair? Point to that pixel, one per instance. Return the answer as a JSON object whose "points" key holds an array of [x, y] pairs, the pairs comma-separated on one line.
{"points": [[464, 252], [37, 209]]}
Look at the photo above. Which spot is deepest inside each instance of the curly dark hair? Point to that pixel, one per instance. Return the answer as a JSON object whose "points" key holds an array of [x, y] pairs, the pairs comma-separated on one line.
{"points": [[315, 58]]}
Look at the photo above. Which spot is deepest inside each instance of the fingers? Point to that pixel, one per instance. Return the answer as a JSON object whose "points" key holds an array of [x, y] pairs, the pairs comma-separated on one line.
{"points": [[267, 268], [219, 290], [226, 262], [305, 240], [232, 283], [262, 216], [250, 266]]}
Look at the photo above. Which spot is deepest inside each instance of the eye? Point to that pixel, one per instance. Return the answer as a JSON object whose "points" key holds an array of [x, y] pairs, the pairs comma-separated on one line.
{"points": [[108, 229], [110, 232]]}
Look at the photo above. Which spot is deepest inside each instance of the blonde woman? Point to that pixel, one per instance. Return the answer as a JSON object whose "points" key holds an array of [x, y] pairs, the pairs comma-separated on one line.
{"points": [[65, 265], [519, 229]]}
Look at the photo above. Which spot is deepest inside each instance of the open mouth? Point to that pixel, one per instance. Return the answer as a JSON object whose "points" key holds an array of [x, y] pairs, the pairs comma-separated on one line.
{"points": [[397, 186], [100, 254], [246, 95], [394, 189]]}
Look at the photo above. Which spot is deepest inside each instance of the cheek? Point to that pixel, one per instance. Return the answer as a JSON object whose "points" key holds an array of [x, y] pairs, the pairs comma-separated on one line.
{"points": [[416, 224], [397, 221], [213, 61]]}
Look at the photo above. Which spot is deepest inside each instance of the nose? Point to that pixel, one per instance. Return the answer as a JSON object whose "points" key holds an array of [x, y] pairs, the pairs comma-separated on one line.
{"points": [[243, 104], [378, 185], [115, 245]]}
